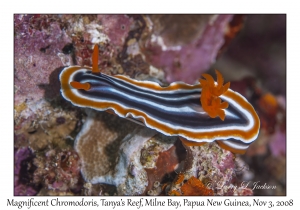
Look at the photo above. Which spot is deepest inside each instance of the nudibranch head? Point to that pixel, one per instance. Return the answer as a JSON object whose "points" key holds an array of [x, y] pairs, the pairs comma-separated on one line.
{"points": [[199, 113]]}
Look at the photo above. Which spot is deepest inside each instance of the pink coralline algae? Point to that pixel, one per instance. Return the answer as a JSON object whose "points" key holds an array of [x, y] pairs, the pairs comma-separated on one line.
{"points": [[278, 143], [121, 25], [108, 31], [23, 173], [35, 56], [216, 168], [185, 60], [45, 43]]}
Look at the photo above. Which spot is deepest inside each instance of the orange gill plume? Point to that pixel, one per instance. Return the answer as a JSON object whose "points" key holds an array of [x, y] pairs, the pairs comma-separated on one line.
{"points": [[211, 103]]}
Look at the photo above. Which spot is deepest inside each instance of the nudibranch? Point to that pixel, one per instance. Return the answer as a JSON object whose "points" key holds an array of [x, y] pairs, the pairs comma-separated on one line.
{"points": [[205, 112]]}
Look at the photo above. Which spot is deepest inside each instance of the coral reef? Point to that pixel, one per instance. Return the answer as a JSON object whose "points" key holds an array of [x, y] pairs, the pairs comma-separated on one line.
{"points": [[123, 152], [58, 171], [211, 157], [208, 170], [137, 160], [44, 131], [41, 125], [98, 143], [167, 164]]}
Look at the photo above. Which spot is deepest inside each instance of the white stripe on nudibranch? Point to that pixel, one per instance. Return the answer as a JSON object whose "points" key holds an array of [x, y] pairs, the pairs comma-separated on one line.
{"points": [[243, 127], [235, 145]]}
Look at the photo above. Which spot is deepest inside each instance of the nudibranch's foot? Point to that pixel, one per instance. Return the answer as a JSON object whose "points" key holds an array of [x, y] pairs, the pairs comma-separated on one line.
{"points": [[240, 148], [190, 143], [211, 103], [111, 111]]}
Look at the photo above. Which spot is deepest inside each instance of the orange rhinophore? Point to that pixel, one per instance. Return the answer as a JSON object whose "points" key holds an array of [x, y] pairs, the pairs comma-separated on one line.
{"points": [[78, 85], [95, 56]]}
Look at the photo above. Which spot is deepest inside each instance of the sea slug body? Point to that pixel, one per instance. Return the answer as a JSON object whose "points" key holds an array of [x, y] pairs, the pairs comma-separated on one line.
{"points": [[200, 113]]}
